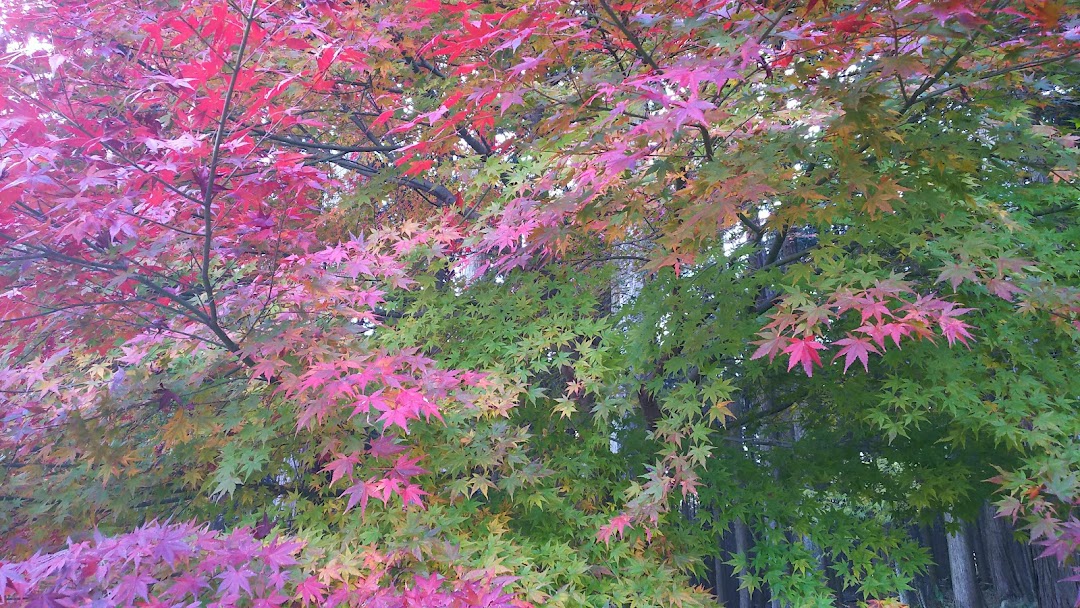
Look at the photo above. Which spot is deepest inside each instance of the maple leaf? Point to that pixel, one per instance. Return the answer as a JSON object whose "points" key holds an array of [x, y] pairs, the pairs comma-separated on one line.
{"points": [[10, 574], [691, 110], [47, 600], [411, 494], [804, 351], [874, 308], [132, 586], [771, 344], [617, 525], [879, 331], [358, 494], [956, 274], [397, 416], [384, 446], [311, 591], [263, 528], [342, 466], [269, 601], [233, 581], [952, 328], [855, 349], [187, 583], [1004, 289], [897, 330], [406, 467], [418, 167], [846, 300], [853, 23]]}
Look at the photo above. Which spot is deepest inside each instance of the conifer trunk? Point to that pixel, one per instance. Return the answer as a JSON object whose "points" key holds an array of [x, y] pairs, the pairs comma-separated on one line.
{"points": [[1051, 591], [742, 546], [995, 537], [965, 585], [927, 585]]}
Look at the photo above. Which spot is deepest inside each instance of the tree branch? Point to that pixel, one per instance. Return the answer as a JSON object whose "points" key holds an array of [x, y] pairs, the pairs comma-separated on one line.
{"points": [[634, 40], [1001, 72], [215, 157]]}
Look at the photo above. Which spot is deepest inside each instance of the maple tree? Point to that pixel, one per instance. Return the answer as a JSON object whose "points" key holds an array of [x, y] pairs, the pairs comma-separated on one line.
{"points": [[317, 302]]}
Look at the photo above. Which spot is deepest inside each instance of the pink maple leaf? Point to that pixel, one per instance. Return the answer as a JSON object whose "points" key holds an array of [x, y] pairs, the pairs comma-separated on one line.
{"points": [[846, 300], [383, 446], [956, 274], [357, 494], [855, 349], [270, 601], [411, 494], [342, 466], [804, 351], [1006, 290], [186, 583], [311, 591], [397, 416], [233, 580], [364, 403], [280, 555], [617, 525], [690, 110], [875, 309], [896, 331], [384, 489], [952, 328], [771, 344], [406, 467], [132, 586]]}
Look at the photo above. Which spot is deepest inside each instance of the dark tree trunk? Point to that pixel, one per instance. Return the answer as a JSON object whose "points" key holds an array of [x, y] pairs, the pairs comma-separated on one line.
{"points": [[1051, 592], [1022, 566], [965, 585], [982, 565], [725, 582], [719, 584], [928, 586], [742, 546], [939, 550], [996, 537]]}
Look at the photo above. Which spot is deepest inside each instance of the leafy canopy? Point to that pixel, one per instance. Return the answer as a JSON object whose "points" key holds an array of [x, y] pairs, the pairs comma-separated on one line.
{"points": [[478, 303]]}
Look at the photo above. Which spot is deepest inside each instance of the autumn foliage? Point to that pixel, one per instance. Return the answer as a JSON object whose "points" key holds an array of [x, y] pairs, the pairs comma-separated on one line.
{"points": [[418, 303]]}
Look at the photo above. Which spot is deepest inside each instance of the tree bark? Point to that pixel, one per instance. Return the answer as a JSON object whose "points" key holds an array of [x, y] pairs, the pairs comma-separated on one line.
{"points": [[1051, 592], [719, 582], [1022, 566], [927, 585], [996, 537], [965, 585], [982, 561], [727, 584], [742, 546]]}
